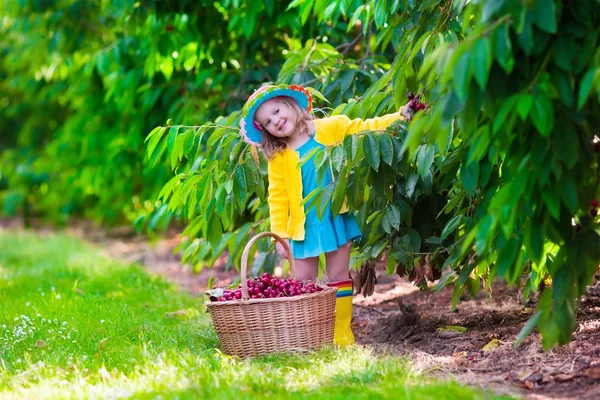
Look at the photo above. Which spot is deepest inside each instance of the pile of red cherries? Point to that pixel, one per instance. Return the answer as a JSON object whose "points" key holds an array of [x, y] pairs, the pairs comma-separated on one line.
{"points": [[266, 287]]}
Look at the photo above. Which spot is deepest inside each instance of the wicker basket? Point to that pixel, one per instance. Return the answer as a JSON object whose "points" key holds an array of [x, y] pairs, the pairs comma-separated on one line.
{"points": [[249, 327]]}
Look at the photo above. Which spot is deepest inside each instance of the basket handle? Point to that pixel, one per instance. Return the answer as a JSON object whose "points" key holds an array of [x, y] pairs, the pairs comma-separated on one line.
{"points": [[245, 294]]}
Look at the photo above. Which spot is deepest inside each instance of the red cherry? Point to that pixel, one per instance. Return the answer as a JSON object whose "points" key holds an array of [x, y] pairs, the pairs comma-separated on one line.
{"points": [[594, 212], [594, 203], [411, 95], [597, 147], [412, 104]]}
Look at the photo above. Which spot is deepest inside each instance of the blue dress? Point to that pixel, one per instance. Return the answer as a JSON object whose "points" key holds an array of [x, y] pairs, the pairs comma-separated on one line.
{"points": [[329, 233]]}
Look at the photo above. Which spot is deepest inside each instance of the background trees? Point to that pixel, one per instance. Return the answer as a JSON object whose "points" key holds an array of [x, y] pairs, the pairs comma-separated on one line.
{"points": [[497, 178]]}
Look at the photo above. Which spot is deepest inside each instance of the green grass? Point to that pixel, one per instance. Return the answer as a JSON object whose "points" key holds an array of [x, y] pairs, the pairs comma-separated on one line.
{"points": [[60, 299]]}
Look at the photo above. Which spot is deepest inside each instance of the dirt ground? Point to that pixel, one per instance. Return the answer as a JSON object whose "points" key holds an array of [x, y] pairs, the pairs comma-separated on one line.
{"points": [[401, 320]]}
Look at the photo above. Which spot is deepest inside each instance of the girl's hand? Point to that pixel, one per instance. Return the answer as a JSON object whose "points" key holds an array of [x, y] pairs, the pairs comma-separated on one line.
{"points": [[281, 250], [407, 112]]}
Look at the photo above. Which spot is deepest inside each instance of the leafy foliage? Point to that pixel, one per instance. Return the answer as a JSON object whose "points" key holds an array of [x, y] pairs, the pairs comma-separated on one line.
{"points": [[495, 179]]}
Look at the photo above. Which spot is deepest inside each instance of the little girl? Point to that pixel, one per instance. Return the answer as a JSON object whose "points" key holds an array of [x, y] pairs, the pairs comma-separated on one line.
{"points": [[278, 119]]}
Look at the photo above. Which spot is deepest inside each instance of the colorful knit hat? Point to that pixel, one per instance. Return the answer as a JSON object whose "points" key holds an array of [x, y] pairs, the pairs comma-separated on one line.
{"points": [[250, 129]]}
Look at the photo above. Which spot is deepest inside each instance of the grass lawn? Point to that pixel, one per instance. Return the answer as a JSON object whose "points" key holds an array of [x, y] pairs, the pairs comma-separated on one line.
{"points": [[74, 324]]}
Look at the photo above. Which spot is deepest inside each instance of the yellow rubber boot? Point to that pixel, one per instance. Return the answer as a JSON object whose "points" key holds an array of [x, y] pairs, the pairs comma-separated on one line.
{"points": [[342, 335]]}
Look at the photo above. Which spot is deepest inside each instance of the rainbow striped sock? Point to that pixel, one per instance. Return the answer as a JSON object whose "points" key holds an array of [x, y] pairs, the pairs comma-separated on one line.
{"points": [[344, 288]]}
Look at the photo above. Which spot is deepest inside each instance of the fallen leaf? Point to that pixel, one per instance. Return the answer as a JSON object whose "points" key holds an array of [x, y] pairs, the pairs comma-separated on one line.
{"points": [[535, 377], [40, 343], [564, 377], [456, 328], [492, 344], [593, 373], [531, 385], [174, 313], [359, 324], [523, 375]]}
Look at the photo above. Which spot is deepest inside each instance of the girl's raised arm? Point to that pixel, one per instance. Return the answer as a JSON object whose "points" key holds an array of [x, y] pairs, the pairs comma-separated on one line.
{"points": [[332, 130]]}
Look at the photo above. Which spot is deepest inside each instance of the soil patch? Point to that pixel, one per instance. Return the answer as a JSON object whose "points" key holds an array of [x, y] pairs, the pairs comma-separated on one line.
{"points": [[401, 320]]}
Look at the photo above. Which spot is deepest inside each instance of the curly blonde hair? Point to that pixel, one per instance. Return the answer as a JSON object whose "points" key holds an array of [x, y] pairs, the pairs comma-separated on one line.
{"points": [[272, 145]]}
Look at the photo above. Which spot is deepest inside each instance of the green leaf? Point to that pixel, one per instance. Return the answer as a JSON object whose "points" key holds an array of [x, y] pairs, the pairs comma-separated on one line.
{"points": [[535, 236], [585, 87], [351, 146], [172, 137], [188, 143], [177, 152], [415, 240], [338, 156], [564, 52], [462, 76], [507, 256], [502, 114], [387, 148], [153, 132], [484, 233], [411, 184], [482, 61], [417, 46], [425, 156], [155, 140], [545, 15], [562, 81], [228, 186], [552, 200], [451, 226], [524, 105], [469, 176], [392, 213], [503, 47], [480, 145], [444, 281], [240, 188], [568, 192], [542, 114], [372, 151], [339, 195], [528, 328], [169, 186], [318, 95]]}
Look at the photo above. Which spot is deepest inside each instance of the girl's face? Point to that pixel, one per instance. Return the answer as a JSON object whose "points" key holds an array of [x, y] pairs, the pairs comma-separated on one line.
{"points": [[276, 118]]}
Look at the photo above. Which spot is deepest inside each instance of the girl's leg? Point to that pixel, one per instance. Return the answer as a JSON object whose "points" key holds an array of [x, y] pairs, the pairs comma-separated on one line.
{"points": [[338, 263], [307, 268], [338, 274]]}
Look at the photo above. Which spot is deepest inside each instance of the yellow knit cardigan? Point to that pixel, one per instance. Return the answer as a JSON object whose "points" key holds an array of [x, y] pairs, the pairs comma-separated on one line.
{"points": [[285, 178]]}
